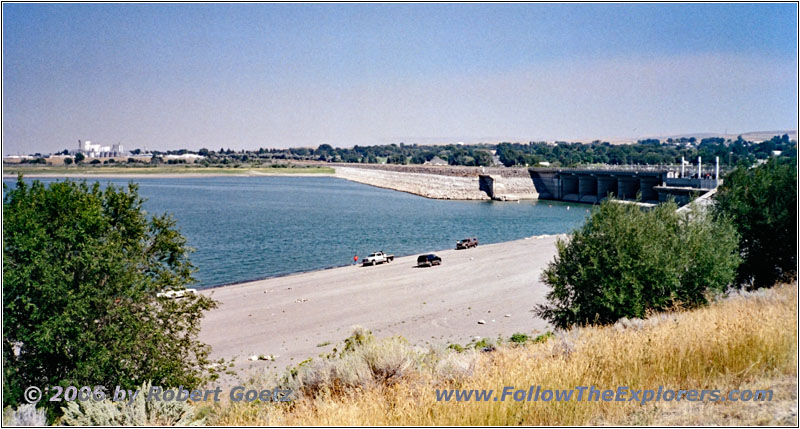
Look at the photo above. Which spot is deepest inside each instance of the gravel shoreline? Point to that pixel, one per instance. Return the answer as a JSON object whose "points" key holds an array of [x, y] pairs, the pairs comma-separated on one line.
{"points": [[302, 315]]}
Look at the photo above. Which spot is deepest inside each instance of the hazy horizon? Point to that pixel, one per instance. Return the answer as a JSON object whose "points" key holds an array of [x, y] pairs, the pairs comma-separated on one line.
{"points": [[244, 76]]}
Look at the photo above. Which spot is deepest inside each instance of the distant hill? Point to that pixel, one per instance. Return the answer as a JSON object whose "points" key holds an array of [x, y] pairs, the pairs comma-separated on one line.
{"points": [[751, 136]]}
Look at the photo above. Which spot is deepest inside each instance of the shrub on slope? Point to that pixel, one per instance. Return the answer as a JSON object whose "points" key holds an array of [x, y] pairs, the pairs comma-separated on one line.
{"points": [[625, 262], [762, 202]]}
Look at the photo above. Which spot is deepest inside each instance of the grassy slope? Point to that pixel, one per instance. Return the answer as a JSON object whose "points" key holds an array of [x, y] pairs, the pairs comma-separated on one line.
{"points": [[744, 342], [167, 169]]}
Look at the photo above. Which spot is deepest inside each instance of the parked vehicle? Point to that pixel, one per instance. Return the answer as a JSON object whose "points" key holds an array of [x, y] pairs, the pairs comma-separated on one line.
{"points": [[466, 243], [428, 260], [377, 258]]}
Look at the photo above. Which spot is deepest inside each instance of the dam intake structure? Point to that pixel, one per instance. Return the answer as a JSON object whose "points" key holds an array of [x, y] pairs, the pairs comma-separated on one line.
{"points": [[591, 186]]}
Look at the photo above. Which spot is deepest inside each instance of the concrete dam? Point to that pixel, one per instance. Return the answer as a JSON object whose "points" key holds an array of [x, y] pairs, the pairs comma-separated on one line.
{"points": [[589, 186]]}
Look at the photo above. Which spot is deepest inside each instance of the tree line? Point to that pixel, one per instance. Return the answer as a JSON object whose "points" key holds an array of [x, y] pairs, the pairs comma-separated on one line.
{"points": [[731, 152], [565, 154]]}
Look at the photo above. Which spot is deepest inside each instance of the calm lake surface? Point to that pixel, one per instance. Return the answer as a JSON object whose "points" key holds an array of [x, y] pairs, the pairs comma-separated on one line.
{"points": [[246, 228]]}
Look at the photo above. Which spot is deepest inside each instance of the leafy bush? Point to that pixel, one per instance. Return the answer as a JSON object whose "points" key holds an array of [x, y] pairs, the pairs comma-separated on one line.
{"points": [[486, 344], [458, 348], [762, 203], [139, 413], [541, 338], [82, 267], [519, 338], [625, 261]]}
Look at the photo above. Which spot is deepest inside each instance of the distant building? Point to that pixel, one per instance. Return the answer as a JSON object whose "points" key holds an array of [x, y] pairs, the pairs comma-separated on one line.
{"points": [[16, 159], [188, 157], [91, 150], [436, 161]]}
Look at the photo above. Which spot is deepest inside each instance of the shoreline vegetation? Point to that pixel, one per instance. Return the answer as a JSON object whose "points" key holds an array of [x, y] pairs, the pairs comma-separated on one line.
{"points": [[717, 347]]}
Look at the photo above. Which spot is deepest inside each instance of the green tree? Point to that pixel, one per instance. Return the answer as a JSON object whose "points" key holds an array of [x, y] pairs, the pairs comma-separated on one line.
{"points": [[624, 262], [762, 202], [396, 159], [82, 267], [79, 157], [67, 161], [482, 158], [418, 159]]}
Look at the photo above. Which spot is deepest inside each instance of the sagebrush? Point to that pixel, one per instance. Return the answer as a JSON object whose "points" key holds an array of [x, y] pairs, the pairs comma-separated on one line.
{"points": [[140, 412]]}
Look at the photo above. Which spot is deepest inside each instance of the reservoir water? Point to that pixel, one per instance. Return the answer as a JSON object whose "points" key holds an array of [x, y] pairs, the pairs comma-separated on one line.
{"points": [[246, 228]]}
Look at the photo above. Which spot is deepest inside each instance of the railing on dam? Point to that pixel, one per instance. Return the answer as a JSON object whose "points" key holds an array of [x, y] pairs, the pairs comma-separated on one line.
{"points": [[615, 168]]}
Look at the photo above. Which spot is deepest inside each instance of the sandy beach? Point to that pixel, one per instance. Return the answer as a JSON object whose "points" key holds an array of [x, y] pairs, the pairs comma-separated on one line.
{"points": [[304, 315]]}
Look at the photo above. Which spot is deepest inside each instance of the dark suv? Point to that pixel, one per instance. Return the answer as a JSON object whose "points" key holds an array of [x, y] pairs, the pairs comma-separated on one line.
{"points": [[466, 243], [428, 260]]}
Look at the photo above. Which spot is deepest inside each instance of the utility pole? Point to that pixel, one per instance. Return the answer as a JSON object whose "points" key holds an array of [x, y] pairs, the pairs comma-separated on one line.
{"points": [[699, 167], [683, 166]]}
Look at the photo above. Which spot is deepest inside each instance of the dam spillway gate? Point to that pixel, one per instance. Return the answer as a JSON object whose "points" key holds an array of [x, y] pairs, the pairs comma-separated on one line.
{"points": [[592, 186]]}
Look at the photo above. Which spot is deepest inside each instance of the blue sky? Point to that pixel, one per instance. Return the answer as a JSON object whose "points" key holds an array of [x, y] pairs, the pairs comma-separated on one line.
{"points": [[166, 76]]}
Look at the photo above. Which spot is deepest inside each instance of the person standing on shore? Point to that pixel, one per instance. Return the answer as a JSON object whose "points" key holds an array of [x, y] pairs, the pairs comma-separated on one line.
{"points": [[355, 260]]}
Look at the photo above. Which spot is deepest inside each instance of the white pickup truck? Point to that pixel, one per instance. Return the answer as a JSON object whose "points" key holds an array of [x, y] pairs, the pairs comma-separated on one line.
{"points": [[377, 258]]}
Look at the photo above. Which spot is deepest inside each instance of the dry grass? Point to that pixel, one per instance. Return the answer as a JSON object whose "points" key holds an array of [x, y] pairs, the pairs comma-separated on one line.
{"points": [[781, 411], [746, 341]]}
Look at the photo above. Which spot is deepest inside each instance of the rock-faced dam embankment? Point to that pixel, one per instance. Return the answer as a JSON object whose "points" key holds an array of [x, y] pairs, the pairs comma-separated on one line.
{"points": [[510, 184], [445, 183]]}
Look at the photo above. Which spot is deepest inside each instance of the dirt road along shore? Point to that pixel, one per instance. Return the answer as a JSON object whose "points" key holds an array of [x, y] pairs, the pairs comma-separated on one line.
{"points": [[303, 315]]}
